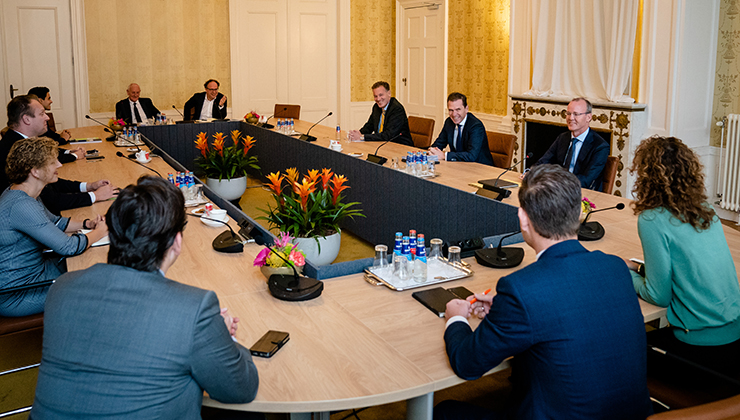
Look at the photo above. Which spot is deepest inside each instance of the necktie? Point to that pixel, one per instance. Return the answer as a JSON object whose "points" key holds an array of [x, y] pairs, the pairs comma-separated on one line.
{"points": [[382, 120], [458, 137], [136, 112], [569, 162]]}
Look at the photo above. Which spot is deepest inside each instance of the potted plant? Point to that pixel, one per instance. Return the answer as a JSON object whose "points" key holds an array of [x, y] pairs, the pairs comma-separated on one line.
{"points": [[252, 117], [116, 125], [270, 262], [225, 168], [310, 210]]}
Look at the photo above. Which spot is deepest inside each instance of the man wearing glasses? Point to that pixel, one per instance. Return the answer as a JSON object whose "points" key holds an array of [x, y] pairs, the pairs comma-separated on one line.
{"points": [[581, 150], [208, 104]]}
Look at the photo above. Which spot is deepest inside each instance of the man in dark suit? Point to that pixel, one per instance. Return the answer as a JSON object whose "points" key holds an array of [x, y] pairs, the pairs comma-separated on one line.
{"points": [[65, 156], [208, 104], [581, 150], [464, 133], [387, 119], [570, 320], [135, 109], [123, 341], [26, 118]]}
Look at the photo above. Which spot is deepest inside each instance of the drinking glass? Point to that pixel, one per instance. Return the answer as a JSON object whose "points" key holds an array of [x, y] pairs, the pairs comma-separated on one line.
{"points": [[453, 256]]}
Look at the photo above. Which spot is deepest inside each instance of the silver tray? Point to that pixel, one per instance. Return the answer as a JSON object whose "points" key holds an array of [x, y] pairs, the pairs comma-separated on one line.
{"points": [[438, 271]]}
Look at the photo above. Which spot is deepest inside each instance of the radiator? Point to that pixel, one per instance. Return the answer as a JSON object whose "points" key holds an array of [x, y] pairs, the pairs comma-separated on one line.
{"points": [[729, 182]]}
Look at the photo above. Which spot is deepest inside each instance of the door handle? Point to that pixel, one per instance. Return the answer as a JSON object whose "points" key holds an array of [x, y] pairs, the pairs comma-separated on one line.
{"points": [[11, 91], [403, 80]]}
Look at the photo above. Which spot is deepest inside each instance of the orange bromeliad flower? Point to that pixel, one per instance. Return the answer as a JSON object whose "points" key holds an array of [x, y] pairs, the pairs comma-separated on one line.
{"points": [[313, 175], [326, 175], [291, 174], [276, 182], [337, 187], [235, 136], [304, 189], [202, 144], [248, 143], [218, 144]]}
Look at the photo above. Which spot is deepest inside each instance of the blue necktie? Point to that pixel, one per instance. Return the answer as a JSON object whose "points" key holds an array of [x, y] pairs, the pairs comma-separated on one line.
{"points": [[570, 163], [457, 140]]}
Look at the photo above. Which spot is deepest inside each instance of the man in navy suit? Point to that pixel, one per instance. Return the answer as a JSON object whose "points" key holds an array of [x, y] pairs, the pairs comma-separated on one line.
{"points": [[135, 109], [121, 340], [581, 150], [570, 320], [208, 104], [387, 119], [464, 133]]}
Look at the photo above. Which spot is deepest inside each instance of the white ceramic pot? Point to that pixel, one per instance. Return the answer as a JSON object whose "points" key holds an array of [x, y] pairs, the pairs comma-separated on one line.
{"points": [[230, 189], [329, 248]]}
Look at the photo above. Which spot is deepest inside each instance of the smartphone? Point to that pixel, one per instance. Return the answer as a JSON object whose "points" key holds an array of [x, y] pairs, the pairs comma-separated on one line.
{"points": [[269, 344], [461, 291], [95, 157]]}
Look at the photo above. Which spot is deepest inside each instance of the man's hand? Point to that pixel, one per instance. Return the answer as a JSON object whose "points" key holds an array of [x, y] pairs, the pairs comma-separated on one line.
{"points": [[66, 135], [436, 152], [105, 192], [457, 307], [223, 101], [631, 264], [79, 152], [93, 186], [482, 305], [231, 322], [354, 135]]}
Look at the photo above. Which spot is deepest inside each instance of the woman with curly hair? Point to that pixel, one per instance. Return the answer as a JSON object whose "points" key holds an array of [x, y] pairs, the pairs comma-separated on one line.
{"points": [[688, 266], [27, 228]]}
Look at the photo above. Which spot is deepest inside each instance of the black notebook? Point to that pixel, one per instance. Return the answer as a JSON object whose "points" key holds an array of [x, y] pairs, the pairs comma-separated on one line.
{"points": [[436, 299]]}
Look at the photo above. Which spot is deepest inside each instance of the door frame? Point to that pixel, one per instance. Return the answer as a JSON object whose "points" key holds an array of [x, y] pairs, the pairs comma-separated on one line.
{"points": [[401, 5]]}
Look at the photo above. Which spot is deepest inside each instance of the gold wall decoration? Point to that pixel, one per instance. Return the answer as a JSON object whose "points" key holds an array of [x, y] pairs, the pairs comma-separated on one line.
{"points": [[727, 81], [169, 47], [478, 59], [372, 46]]}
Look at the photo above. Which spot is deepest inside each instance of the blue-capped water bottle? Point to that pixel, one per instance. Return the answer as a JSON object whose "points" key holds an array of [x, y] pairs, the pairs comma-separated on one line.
{"points": [[412, 241], [420, 262], [170, 178], [404, 260]]}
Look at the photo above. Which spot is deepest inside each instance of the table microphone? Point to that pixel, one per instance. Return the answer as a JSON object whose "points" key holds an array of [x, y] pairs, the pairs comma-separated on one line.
{"points": [[380, 160], [119, 154], [293, 288], [114, 136], [178, 111], [501, 191], [307, 137], [593, 231], [270, 126], [228, 241], [500, 257]]}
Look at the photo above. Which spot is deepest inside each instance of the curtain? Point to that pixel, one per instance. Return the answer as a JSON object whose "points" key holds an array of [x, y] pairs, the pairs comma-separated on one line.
{"points": [[583, 48]]}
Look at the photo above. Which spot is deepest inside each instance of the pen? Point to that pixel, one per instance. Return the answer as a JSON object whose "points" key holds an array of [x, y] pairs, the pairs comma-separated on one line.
{"points": [[472, 301]]}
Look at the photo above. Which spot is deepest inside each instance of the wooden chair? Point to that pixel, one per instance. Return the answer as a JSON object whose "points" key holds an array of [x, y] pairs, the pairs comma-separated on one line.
{"points": [[610, 174], [287, 111], [719, 410], [501, 147], [422, 131], [51, 124]]}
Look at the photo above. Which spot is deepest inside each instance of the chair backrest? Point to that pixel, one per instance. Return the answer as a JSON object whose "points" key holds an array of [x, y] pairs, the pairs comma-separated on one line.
{"points": [[51, 124], [422, 131], [610, 174], [287, 111], [501, 147]]}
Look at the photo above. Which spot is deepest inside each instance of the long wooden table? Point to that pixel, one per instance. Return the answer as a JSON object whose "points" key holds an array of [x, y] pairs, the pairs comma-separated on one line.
{"points": [[356, 345]]}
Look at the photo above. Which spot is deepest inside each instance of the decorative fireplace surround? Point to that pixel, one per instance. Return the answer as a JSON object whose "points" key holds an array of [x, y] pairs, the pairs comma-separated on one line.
{"points": [[626, 122]]}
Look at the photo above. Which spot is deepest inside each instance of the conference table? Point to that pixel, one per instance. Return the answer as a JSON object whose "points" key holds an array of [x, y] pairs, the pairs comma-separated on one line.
{"points": [[357, 344]]}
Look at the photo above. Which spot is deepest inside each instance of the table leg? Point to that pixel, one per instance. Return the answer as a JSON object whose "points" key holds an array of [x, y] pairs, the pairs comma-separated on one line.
{"points": [[420, 408]]}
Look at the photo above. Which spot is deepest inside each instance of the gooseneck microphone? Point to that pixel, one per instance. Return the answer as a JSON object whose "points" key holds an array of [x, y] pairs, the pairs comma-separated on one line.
{"points": [[119, 154], [501, 190], [178, 111], [228, 241], [529, 155], [593, 231], [270, 126], [293, 288], [111, 138], [309, 138], [118, 136], [500, 257], [380, 160]]}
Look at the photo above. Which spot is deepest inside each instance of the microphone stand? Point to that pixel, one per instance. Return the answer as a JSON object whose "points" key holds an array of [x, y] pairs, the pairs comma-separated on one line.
{"points": [[593, 231], [178, 111], [309, 138], [502, 192], [119, 154], [500, 257], [228, 241], [111, 138], [380, 160]]}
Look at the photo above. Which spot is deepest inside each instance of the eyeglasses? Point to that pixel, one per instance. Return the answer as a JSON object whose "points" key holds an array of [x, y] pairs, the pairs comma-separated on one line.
{"points": [[575, 114]]}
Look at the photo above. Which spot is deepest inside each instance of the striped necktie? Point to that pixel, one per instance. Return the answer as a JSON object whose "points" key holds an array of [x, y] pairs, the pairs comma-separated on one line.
{"points": [[382, 122]]}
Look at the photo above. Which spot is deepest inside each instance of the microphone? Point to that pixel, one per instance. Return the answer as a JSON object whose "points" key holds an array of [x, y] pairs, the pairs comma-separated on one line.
{"points": [[111, 138], [178, 111], [500, 257], [270, 126], [307, 137], [119, 154], [293, 288], [502, 191], [593, 231], [380, 160], [228, 241]]}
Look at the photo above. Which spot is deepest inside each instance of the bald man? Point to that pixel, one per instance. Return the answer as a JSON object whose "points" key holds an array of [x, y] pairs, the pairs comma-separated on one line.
{"points": [[134, 109]]}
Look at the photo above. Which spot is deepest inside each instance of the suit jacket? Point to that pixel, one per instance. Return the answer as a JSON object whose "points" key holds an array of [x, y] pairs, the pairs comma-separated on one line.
{"points": [[194, 105], [395, 123], [61, 195], [574, 325], [123, 109], [474, 147], [591, 159], [122, 343]]}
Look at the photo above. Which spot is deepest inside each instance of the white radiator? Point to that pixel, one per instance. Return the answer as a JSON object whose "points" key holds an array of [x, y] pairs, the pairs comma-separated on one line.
{"points": [[729, 182]]}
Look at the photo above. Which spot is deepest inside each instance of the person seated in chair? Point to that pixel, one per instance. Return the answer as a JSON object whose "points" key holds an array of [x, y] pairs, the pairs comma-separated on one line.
{"points": [[135, 109], [208, 104], [463, 133], [387, 119]]}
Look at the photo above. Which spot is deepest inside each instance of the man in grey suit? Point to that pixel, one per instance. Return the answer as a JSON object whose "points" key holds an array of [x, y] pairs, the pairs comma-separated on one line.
{"points": [[123, 341]]}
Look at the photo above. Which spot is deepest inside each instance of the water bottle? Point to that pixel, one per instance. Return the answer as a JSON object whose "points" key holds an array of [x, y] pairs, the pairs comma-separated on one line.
{"points": [[420, 262], [417, 162], [280, 125], [410, 163], [291, 127], [412, 241], [191, 179], [339, 134], [398, 246], [404, 266], [170, 178], [136, 135]]}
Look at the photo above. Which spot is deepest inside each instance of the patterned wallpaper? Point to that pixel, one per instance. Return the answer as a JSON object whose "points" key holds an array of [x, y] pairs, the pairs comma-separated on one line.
{"points": [[150, 42], [727, 82], [478, 60], [372, 46]]}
